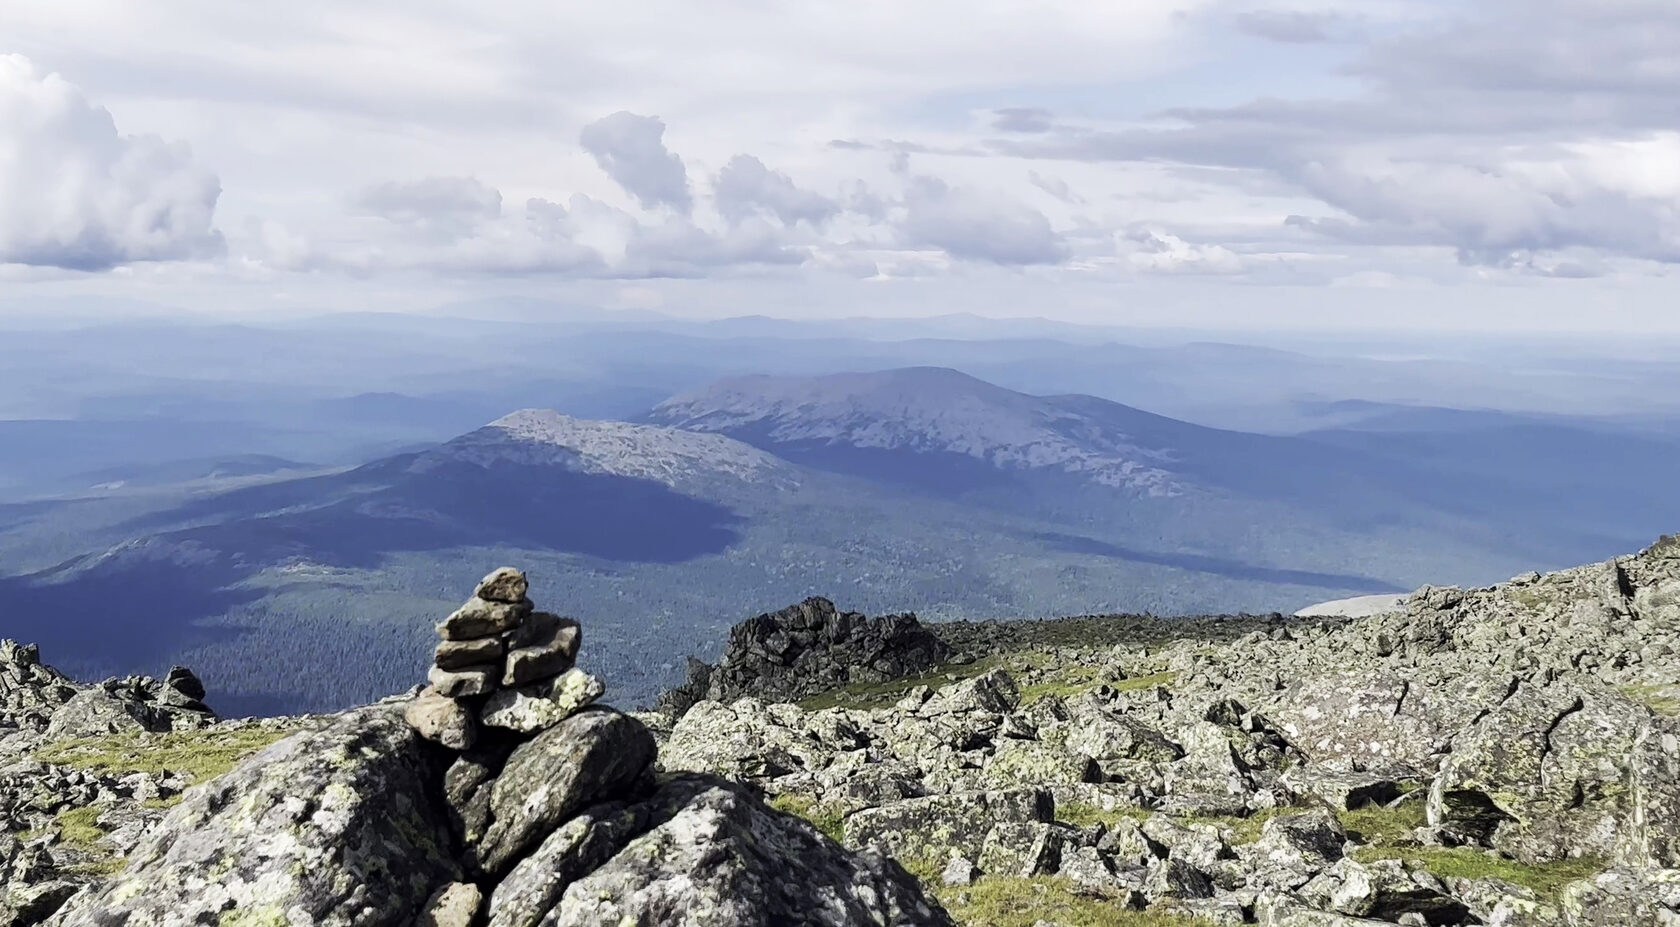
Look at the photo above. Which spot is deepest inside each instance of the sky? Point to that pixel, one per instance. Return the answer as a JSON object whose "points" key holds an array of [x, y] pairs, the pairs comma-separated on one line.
{"points": [[1496, 165]]}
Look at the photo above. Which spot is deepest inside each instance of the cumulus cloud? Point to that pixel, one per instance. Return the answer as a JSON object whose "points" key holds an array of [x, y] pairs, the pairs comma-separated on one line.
{"points": [[973, 226], [1161, 252], [631, 149], [77, 194], [447, 204], [745, 187]]}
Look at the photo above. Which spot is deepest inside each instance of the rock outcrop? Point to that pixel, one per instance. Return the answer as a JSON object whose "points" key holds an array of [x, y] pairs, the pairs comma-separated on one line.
{"points": [[809, 648], [1507, 755]]}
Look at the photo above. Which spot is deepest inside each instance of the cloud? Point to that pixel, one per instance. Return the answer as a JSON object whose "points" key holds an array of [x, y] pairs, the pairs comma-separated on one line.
{"points": [[1030, 120], [745, 187], [448, 204], [1293, 27], [1161, 252], [974, 226], [631, 149], [1506, 135], [679, 248], [77, 194]]}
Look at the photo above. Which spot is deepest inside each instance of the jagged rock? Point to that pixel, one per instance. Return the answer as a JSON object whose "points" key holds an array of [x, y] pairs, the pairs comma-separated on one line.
{"points": [[543, 704], [186, 682], [332, 826], [719, 858], [590, 756], [936, 826], [808, 648], [1553, 772], [1173, 879], [482, 618], [1022, 849], [458, 655], [1281, 910], [505, 585], [464, 682], [454, 905], [442, 720], [959, 871], [1622, 898], [536, 884], [544, 646]]}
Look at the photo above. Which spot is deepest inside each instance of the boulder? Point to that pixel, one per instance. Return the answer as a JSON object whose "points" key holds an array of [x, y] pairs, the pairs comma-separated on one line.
{"points": [[465, 682], [717, 857], [936, 826], [332, 826], [442, 720], [543, 646], [458, 655], [589, 757], [543, 704]]}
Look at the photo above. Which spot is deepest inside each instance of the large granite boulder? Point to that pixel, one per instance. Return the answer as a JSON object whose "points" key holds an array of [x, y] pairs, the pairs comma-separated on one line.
{"points": [[332, 826], [717, 857]]}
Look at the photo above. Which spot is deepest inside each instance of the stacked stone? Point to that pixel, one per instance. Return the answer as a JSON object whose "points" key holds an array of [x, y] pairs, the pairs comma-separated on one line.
{"points": [[501, 664]]}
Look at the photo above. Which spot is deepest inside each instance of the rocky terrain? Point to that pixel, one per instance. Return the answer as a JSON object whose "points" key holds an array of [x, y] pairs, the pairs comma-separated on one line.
{"points": [[1499, 756], [1502, 756]]}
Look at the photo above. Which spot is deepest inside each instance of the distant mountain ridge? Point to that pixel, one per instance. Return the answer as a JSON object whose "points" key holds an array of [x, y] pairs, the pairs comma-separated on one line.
{"points": [[930, 410]]}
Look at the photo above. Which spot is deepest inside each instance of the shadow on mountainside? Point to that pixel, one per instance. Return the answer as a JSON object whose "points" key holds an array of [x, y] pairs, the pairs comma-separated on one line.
{"points": [[1234, 569]]}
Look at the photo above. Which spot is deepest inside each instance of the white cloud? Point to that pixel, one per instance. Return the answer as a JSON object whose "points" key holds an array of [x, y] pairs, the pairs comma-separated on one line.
{"points": [[631, 149], [450, 205], [971, 225], [77, 194], [745, 187]]}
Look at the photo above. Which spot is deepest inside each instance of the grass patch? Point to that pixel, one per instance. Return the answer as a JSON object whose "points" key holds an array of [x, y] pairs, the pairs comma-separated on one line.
{"points": [[196, 755], [1244, 829], [1545, 879], [829, 822], [1080, 814], [1664, 700], [1064, 684], [865, 696], [79, 827], [1380, 826], [996, 901]]}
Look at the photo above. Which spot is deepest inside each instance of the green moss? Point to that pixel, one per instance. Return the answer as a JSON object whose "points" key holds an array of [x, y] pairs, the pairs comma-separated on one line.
{"points": [[1017, 902], [826, 820], [1546, 879], [253, 917], [1080, 814], [162, 804], [197, 755]]}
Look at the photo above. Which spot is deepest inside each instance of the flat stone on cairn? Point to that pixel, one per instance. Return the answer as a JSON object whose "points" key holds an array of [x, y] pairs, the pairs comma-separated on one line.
{"points": [[501, 663]]}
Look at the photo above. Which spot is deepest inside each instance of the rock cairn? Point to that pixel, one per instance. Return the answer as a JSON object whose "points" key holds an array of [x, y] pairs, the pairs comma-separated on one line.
{"points": [[501, 664]]}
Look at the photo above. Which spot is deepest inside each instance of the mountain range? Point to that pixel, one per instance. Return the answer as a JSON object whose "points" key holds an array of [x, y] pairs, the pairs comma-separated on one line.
{"points": [[919, 489]]}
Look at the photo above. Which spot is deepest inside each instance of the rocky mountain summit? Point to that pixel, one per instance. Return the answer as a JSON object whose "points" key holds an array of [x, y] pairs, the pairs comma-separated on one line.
{"points": [[499, 794], [1501, 756]]}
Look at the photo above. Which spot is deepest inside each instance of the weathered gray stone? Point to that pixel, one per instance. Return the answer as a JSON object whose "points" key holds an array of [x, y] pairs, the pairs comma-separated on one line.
{"points": [[542, 705], [504, 585], [719, 857], [464, 682], [480, 618], [545, 646], [591, 756], [454, 905], [456, 655], [1023, 849], [442, 720], [331, 827], [938, 825]]}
